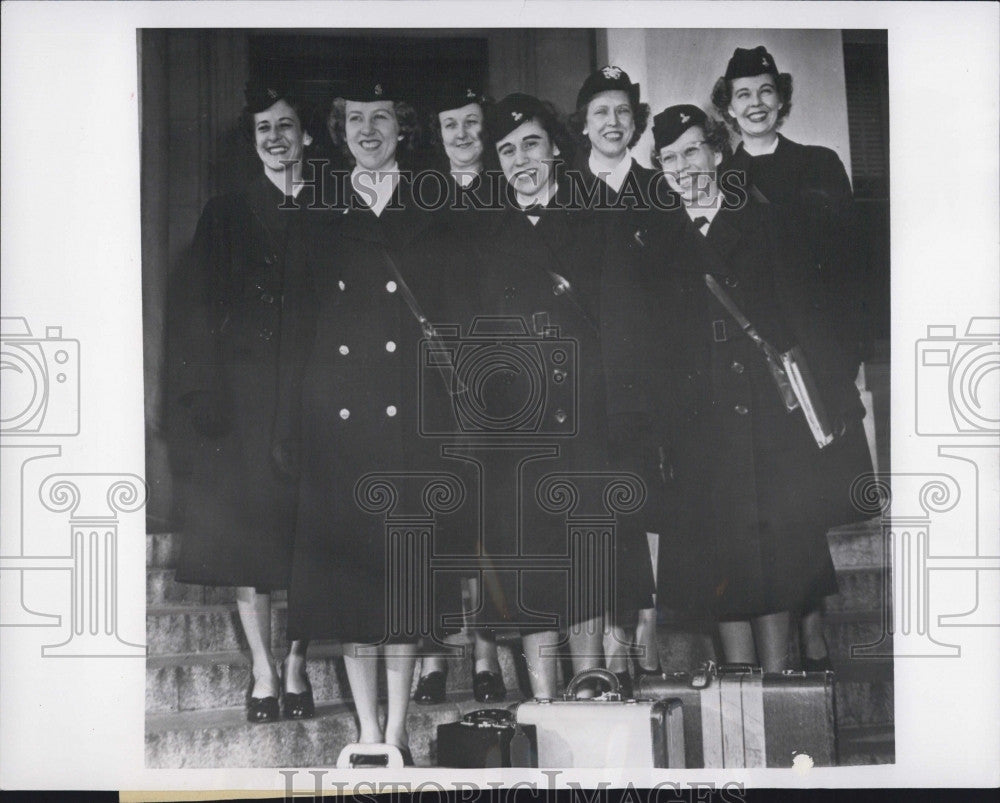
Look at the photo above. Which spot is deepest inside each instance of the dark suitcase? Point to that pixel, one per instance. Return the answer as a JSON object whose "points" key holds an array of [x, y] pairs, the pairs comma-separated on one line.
{"points": [[736, 716], [486, 738], [605, 731]]}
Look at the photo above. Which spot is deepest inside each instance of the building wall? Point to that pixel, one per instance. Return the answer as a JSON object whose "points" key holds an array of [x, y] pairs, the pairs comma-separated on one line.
{"points": [[681, 66]]}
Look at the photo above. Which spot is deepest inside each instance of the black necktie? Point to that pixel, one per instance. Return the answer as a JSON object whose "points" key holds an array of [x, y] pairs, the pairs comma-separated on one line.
{"points": [[699, 223]]}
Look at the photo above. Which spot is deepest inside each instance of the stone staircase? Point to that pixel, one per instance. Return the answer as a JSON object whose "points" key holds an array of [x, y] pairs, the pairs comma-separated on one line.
{"points": [[197, 673], [197, 670]]}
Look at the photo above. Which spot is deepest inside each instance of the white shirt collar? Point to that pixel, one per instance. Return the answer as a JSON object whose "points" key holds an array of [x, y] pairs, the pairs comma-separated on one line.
{"points": [[769, 150], [378, 186], [463, 177], [613, 178], [547, 193]]}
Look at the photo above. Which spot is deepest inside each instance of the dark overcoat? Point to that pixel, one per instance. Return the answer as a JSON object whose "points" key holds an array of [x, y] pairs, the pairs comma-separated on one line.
{"points": [[351, 400], [224, 315], [745, 492], [813, 206], [544, 279]]}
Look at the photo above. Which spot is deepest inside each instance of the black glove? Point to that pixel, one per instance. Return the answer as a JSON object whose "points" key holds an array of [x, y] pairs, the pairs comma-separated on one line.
{"points": [[210, 414]]}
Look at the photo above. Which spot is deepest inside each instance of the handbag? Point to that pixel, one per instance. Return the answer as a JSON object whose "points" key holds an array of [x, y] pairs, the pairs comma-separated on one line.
{"points": [[790, 371]]}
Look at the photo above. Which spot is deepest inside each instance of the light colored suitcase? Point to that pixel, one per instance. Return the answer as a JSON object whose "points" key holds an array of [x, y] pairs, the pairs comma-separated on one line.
{"points": [[605, 731], [737, 716]]}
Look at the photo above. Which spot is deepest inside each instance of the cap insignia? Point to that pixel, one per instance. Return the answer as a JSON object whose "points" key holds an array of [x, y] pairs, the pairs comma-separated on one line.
{"points": [[612, 73]]}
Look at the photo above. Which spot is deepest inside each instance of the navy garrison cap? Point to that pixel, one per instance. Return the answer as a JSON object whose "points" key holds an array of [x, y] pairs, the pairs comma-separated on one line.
{"points": [[261, 95], [455, 97], [511, 112], [369, 90], [604, 79], [745, 63], [673, 121]]}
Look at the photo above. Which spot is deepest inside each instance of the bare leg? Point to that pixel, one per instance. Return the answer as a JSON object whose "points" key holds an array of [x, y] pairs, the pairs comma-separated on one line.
{"points": [[484, 642], [400, 660], [255, 616], [737, 642], [585, 643], [771, 636], [362, 674], [645, 638], [616, 648], [542, 669], [296, 680], [811, 632]]}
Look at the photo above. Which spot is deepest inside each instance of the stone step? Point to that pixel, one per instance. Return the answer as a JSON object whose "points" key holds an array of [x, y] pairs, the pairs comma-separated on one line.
{"points": [[163, 589], [851, 546], [864, 745], [221, 679], [223, 737]]}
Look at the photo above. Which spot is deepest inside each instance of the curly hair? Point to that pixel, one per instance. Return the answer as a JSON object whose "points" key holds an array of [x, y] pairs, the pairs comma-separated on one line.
{"points": [[578, 121], [433, 129], [716, 137], [722, 97], [302, 110], [406, 117], [552, 122]]}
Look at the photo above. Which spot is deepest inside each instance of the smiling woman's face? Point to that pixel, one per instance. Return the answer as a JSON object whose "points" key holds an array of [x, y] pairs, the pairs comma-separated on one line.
{"points": [[755, 104], [460, 133], [610, 123], [279, 137], [372, 132], [526, 156]]}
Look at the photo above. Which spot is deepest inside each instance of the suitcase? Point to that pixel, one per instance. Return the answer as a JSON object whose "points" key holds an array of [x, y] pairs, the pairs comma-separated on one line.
{"points": [[486, 738], [736, 716], [605, 731]]}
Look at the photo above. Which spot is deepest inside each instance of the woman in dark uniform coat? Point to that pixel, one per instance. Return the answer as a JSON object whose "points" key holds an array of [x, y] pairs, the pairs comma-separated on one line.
{"points": [[225, 329], [808, 187], [349, 401], [744, 477], [608, 122], [455, 126], [538, 268]]}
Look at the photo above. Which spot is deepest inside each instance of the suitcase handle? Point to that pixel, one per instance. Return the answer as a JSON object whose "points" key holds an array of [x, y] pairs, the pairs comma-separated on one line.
{"points": [[614, 686], [489, 718]]}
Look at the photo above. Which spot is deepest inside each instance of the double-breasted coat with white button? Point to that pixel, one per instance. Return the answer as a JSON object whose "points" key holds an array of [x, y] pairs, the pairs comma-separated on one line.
{"points": [[223, 332], [350, 399], [520, 267], [745, 493]]}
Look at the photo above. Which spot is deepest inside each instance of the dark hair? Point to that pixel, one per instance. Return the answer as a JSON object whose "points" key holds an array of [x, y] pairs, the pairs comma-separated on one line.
{"points": [[716, 137], [550, 120], [433, 128], [406, 117], [722, 97], [578, 121], [302, 110]]}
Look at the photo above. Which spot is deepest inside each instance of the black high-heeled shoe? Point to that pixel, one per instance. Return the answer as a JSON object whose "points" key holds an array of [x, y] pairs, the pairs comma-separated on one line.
{"points": [[488, 687], [430, 688], [261, 709], [299, 705]]}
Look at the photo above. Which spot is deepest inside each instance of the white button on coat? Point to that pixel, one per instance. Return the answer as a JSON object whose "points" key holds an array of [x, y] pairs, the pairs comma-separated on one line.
{"points": [[341, 285], [344, 350], [390, 346], [345, 413], [390, 286], [390, 410]]}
